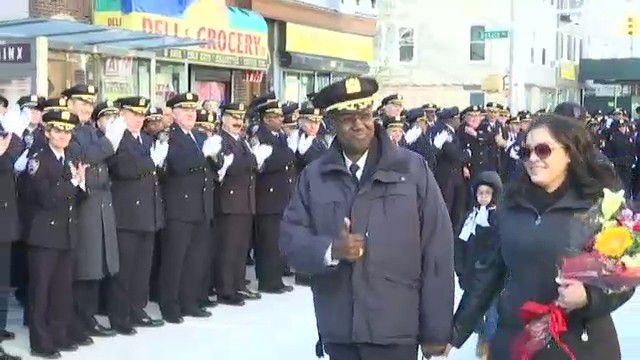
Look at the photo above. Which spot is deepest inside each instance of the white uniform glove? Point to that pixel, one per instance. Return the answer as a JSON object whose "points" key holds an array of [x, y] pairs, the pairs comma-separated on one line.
{"points": [[292, 140], [262, 153], [15, 122], [212, 146], [441, 138], [305, 144], [159, 152], [228, 160], [114, 132], [514, 152], [412, 135], [21, 164]]}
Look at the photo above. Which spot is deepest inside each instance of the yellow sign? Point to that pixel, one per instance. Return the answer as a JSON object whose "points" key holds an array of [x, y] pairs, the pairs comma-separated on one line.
{"points": [[234, 39], [568, 71], [314, 41]]}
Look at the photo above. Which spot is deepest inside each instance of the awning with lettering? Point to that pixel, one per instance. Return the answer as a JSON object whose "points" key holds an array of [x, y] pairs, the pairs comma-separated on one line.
{"points": [[234, 37], [81, 34]]}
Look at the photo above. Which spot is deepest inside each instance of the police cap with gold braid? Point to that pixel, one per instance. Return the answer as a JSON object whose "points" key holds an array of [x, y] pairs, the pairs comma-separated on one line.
{"points": [[84, 92], [393, 122], [311, 113], [60, 120], [52, 104], [350, 94], [206, 118], [135, 104], [269, 106], [235, 109], [395, 99], [183, 101]]}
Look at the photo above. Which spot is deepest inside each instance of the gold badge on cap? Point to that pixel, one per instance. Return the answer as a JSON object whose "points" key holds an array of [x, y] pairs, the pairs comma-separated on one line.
{"points": [[142, 101], [189, 96], [210, 119], [62, 102], [34, 98], [109, 103], [316, 111], [352, 86], [65, 115], [241, 107], [91, 89]]}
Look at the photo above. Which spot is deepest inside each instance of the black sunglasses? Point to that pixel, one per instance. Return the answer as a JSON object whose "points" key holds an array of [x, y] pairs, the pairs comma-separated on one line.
{"points": [[542, 151]]}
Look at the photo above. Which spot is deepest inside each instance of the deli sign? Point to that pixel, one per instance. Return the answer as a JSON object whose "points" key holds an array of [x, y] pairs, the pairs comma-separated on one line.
{"points": [[233, 38]]}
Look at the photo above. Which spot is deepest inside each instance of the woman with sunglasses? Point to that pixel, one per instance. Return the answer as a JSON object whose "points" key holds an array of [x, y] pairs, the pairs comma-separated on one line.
{"points": [[537, 225]]}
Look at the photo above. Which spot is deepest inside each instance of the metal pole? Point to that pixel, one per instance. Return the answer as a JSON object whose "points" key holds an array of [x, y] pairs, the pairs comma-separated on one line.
{"points": [[512, 90]]}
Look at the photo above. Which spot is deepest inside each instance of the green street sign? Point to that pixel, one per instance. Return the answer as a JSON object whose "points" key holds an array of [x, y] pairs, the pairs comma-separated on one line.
{"points": [[492, 35]]}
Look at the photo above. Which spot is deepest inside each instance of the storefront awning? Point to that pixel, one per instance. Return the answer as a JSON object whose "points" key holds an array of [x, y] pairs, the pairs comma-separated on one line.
{"points": [[610, 71], [82, 34]]}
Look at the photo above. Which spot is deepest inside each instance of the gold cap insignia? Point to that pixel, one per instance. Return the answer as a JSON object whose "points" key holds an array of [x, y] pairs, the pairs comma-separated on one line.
{"points": [[241, 107], [91, 89], [316, 111], [189, 96], [142, 102], [34, 98], [109, 103], [62, 101], [352, 85], [65, 115], [210, 119]]}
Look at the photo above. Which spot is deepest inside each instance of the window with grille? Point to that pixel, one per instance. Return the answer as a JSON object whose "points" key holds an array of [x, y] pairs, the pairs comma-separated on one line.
{"points": [[477, 44], [406, 44]]}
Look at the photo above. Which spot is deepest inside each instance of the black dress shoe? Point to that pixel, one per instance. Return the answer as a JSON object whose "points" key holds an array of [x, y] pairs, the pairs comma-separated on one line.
{"points": [[233, 300], [197, 313], [6, 335], [208, 303], [46, 354], [68, 347], [101, 331], [148, 322], [249, 294], [125, 330], [173, 319], [278, 290]]}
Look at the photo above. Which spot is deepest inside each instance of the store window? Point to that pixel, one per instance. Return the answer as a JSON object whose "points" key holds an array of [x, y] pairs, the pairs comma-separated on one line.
{"points": [[67, 69], [298, 86], [211, 83], [477, 44], [119, 78], [168, 82]]}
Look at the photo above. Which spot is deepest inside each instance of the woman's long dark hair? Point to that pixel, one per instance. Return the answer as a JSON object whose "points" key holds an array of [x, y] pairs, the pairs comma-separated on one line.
{"points": [[589, 170]]}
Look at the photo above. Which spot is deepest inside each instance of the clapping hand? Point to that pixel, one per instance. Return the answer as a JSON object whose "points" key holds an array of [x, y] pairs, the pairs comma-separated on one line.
{"points": [[412, 135], [348, 246], [212, 146], [226, 162], [159, 152], [262, 153], [114, 132], [304, 144], [292, 141]]}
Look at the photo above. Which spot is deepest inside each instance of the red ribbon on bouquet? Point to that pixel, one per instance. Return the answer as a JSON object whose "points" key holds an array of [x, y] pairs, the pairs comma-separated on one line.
{"points": [[531, 311]]}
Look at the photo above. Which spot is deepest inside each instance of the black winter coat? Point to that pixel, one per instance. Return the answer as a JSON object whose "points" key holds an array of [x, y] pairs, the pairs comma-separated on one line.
{"points": [[8, 201], [530, 247]]}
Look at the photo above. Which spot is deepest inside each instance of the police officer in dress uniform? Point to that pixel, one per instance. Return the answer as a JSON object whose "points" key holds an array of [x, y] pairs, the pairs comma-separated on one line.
{"points": [[189, 215], [477, 139], [395, 129], [431, 110], [309, 144], [496, 137], [55, 186], [33, 136], [10, 149], [291, 113], [207, 123], [139, 212], [273, 188], [97, 248], [418, 138], [449, 163], [235, 205], [154, 126]]}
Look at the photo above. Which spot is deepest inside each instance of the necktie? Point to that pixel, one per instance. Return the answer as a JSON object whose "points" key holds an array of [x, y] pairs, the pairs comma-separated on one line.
{"points": [[61, 159], [353, 169]]}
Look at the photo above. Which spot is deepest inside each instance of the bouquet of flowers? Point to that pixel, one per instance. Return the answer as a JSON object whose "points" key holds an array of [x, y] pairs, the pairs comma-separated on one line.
{"points": [[610, 262]]}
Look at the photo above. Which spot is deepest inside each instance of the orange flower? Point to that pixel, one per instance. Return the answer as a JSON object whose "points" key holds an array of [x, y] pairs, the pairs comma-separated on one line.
{"points": [[613, 242]]}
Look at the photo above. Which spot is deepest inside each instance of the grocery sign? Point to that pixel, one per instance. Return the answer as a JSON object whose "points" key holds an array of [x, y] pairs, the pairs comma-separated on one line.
{"points": [[235, 37]]}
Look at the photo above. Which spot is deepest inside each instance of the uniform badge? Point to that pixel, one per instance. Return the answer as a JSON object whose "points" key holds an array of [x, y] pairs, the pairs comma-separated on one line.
{"points": [[33, 166], [352, 86]]}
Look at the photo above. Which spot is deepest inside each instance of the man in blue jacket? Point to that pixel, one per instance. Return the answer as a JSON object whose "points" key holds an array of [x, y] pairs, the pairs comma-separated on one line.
{"points": [[367, 221]]}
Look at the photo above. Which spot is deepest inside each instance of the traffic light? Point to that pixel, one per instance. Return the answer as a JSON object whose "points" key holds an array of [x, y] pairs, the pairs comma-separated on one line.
{"points": [[632, 25]]}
